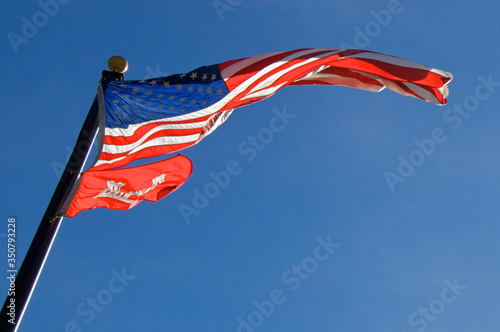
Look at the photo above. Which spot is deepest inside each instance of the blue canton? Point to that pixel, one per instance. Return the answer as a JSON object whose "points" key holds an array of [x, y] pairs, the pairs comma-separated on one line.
{"points": [[132, 102]]}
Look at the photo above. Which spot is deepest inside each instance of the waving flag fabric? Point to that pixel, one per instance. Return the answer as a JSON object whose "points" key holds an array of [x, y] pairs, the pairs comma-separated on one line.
{"points": [[153, 117], [149, 118], [122, 189]]}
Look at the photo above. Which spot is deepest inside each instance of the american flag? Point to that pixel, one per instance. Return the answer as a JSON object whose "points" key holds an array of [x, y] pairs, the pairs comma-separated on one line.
{"points": [[157, 116]]}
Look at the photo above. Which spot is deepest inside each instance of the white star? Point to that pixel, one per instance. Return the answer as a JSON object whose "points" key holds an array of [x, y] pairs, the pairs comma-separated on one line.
{"points": [[204, 77], [194, 75], [214, 77]]}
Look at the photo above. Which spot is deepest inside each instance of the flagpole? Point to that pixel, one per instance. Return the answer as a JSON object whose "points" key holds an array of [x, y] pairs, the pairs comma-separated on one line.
{"points": [[21, 288]]}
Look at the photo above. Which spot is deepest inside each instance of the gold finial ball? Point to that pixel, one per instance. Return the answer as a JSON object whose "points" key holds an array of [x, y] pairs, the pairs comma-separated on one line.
{"points": [[118, 64]]}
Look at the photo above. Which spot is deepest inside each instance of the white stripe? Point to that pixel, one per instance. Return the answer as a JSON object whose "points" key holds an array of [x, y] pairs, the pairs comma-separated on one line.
{"points": [[165, 140], [347, 81], [426, 94], [124, 132], [314, 72], [444, 90], [265, 92], [391, 60], [159, 141], [222, 118], [388, 83], [442, 73], [106, 162]]}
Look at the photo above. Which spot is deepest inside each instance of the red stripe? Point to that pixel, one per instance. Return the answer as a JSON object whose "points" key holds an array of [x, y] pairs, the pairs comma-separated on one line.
{"points": [[110, 140], [247, 72], [393, 72], [144, 153], [343, 72], [142, 130]]}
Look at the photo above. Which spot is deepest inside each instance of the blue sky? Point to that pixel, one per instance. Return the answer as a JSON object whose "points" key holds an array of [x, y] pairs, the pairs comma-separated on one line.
{"points": [[418, 255]]}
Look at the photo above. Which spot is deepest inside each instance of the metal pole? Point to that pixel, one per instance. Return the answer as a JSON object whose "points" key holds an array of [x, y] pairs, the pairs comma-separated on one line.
{"points": [[25, 281]]}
